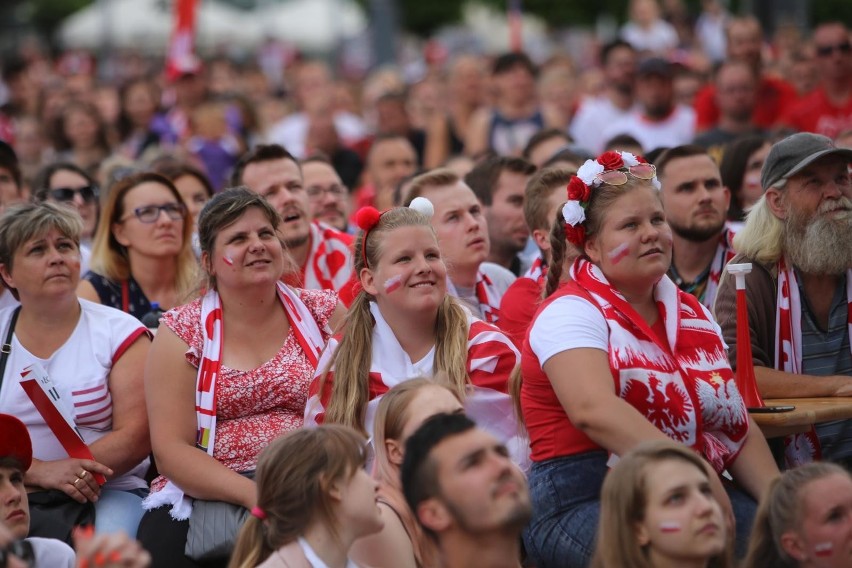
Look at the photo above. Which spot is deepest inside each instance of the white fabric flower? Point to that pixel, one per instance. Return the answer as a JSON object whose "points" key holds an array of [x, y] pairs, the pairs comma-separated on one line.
{"points": [[656, 183], [589, 171], [573, 213], [629, 159]]}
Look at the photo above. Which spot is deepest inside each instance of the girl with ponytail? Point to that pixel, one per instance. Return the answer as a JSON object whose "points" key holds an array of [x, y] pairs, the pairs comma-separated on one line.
{"points": [[314, 499], [403, 324]]}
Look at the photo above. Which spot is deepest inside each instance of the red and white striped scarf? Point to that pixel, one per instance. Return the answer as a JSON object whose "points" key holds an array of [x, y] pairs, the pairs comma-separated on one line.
{"points": [[489, 302], [329, 265], [309, 337], [537, 272], [491, 358], [684, 384], [724, 253], [798, 448]]}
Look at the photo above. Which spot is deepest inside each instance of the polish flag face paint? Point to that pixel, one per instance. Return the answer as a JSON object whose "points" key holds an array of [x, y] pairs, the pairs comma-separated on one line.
{"points": [[228, 260], [393, 284], [618, 253], [824, 549], [670, 527]]}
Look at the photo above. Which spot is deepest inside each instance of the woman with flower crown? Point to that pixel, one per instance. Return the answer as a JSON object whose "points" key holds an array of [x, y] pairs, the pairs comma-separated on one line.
{"points": [[403, 325], [618, 355]]}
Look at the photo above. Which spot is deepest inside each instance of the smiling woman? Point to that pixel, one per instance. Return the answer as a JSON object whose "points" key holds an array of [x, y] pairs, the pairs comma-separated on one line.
{"points": [[403, 325], [142, 250], [228, 372]]}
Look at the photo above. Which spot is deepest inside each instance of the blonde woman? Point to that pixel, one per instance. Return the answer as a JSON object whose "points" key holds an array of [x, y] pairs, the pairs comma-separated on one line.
{"points": [[404, 325], [142, 250]]}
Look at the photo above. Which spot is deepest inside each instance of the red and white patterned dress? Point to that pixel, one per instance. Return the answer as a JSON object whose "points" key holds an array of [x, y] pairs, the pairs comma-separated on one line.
{"points": [[254, 407]]}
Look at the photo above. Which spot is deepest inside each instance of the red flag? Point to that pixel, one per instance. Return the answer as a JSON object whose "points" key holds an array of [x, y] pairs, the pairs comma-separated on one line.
{"points": [[181, 58]]}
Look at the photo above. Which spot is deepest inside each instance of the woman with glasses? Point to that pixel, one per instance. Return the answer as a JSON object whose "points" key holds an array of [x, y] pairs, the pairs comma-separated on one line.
{"points": [[72, 373], [142, 250], [619, 355], [64, 182]]}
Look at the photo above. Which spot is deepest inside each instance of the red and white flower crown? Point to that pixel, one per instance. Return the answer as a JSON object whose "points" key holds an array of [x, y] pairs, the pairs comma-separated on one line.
{"points": [[589, 177]]}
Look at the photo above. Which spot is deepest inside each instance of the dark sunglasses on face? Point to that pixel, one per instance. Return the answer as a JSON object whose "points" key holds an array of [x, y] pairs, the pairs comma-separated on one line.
{"points": [[150, 213], [826, 50], [88, 193], [20, 549]]}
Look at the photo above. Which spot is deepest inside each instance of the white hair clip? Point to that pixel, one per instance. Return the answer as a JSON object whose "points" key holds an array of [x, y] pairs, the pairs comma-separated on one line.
{"points": [[422, 205]]}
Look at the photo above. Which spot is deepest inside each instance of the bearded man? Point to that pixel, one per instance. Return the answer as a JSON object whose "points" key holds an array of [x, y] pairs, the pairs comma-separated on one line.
{"points": [[799, 238], [696, 203]]}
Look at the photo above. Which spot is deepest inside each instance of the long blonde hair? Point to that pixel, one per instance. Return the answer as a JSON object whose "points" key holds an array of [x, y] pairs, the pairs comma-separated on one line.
{"points": [[352, 359], [762, 236], [623, 504], [780, 511], [110, 258], [294, 476]]}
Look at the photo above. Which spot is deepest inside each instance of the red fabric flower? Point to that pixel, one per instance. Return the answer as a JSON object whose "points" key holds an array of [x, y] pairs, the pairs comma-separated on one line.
{"points": [[641, 159], [578, 190], [575, 235], [611, 161]]}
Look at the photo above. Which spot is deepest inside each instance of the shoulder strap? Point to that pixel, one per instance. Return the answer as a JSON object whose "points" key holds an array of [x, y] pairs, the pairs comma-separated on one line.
{"points": [[7, 344]]}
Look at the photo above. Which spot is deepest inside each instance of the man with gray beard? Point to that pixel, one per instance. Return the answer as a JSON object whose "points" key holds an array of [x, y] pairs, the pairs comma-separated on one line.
{"points": [[799, 239]]}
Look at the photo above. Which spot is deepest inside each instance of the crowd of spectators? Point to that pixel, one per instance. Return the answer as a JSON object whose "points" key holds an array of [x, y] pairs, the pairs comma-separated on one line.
{"points": [[501, 288]]}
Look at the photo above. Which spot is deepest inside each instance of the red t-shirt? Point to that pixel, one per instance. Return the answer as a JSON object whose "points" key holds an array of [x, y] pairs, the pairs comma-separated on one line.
{"points": [[774, 97], [815, 113], [518, 306]]}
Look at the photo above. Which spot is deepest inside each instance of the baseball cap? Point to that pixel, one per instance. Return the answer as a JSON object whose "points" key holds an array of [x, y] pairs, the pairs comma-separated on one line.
{"points": [[15, 441], [655, 66], [794, 153]]}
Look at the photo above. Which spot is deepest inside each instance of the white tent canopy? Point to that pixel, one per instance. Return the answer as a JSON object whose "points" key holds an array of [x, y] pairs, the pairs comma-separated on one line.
{"points": [[312, 25]]}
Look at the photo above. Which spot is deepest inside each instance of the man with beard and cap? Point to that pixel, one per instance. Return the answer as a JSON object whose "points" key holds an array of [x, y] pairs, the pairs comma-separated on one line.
{"points": [[466, 493], [696, 205], [322, 254], [798, 238]]}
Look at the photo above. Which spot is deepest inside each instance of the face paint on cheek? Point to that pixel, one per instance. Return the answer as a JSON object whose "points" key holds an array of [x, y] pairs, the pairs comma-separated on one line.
{"points": [[228, 260], [393, 283], [669, 527], [824, 549], [618, 253]]}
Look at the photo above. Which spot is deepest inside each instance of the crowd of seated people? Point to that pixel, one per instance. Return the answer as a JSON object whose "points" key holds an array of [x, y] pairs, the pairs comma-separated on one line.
{"points": [[492, 330]]}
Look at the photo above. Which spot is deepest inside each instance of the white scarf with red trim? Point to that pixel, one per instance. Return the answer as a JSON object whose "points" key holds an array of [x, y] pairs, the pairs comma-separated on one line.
{"points": [[805, 447], [491, 358], [489, 302], [683, 386], [307, 334], [724, 253]]}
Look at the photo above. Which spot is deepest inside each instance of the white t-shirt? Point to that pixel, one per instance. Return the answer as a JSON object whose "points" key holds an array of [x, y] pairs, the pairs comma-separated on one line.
{"points": [[594, 116], [292, 131], [676, 129], [569, 322], [52, 553], [659, 38], [80, 371]]}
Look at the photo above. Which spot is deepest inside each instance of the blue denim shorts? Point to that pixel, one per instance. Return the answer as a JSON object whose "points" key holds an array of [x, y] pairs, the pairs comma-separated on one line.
{"points": [[565, 494]]}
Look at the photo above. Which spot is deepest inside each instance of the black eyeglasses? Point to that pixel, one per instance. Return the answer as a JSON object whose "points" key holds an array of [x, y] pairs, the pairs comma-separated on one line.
{"points": [[317, 192], [150, 213], [87, 193], [20, 549], [826, 50]]}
